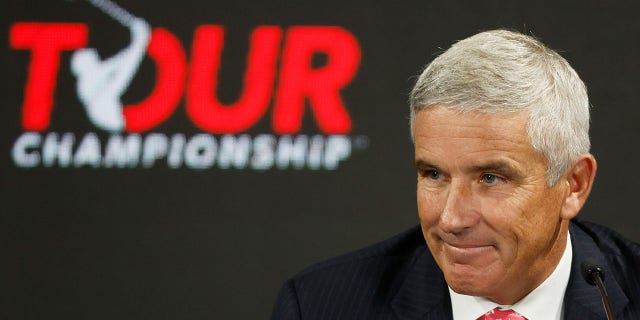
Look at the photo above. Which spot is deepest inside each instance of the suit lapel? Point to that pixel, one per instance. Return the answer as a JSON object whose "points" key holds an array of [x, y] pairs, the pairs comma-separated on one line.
{"points": [[424, 293], [582, 300]]}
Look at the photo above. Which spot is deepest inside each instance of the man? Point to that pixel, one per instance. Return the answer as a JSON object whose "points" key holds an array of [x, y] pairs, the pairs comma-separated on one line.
{"points": [[500, 126]]}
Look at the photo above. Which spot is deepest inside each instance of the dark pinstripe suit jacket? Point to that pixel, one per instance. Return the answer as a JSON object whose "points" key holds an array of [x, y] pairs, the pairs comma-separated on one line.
{"points": [[399, 279]]}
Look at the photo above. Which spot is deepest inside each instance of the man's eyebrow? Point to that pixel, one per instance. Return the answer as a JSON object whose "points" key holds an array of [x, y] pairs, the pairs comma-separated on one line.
{"points": [[499, 167], [423, 163]]}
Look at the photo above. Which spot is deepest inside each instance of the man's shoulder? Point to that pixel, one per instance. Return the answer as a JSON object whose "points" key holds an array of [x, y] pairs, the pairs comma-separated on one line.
{"points": [[620, 262], [610, 243], [401, 247], [358, 285]]}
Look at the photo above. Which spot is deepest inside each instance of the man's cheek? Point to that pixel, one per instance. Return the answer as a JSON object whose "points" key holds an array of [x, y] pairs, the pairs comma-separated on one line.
{"points": [[428, 209]]}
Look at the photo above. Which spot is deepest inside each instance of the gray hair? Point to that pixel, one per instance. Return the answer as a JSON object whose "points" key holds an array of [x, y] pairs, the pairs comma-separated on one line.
{"points": [[502, 71]]}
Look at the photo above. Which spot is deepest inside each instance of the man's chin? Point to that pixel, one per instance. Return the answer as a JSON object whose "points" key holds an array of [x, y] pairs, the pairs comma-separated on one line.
{"points": [[467, 288], [467, 280]]}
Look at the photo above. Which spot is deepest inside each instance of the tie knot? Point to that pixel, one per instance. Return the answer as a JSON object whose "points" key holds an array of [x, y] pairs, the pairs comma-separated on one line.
{"points": [[499, 314]]}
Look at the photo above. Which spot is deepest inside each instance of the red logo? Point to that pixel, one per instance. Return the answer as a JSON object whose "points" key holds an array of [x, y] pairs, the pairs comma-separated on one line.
{"points": [[279, 68], [297, 80]]}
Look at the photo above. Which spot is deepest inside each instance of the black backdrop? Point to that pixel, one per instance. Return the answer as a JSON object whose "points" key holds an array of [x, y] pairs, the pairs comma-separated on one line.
{"points": [[135, 243]]}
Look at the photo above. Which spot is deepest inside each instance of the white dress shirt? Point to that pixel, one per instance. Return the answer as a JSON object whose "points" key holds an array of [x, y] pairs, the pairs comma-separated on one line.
{"points": [[543, 303]]}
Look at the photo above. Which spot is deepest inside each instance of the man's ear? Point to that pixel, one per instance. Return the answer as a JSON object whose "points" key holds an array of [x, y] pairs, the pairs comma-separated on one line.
{"points": [[580, 180]]}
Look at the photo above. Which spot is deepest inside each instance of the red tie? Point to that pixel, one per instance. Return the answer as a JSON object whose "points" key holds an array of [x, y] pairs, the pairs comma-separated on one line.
{"points": [[499, 314]]}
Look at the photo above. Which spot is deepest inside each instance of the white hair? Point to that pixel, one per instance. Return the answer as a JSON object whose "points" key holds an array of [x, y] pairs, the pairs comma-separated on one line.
{"points": [[502, 71]]}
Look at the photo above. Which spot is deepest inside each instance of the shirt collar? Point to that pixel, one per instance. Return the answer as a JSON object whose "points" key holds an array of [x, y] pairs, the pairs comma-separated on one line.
{"points": [[543, 303]]}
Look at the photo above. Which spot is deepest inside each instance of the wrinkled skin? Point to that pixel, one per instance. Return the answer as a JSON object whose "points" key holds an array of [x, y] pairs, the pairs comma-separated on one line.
{"points": [[493, 225]]}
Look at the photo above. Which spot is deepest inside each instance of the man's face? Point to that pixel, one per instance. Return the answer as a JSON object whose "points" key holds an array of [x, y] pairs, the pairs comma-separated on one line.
{"points": [[488, 216]]}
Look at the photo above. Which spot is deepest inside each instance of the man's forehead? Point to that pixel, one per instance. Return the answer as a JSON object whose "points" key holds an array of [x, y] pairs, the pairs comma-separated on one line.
{"points": [[440, 122], [473, 139], [477, 113]]}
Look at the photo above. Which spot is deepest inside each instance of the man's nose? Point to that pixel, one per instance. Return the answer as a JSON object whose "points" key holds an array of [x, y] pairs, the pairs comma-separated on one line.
{"points": [[459, 212]]}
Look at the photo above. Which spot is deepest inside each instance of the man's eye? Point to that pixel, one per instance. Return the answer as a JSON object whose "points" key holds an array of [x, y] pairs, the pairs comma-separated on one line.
{"points": [[491, 179], [433, 174]]}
